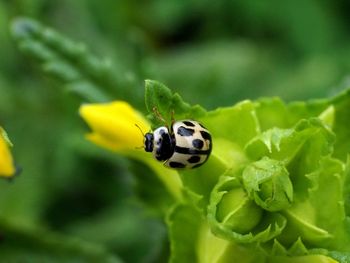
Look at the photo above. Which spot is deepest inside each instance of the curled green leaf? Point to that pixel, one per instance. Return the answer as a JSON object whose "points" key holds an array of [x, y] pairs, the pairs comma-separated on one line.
{"points": [[235, 207], [233, 216]]}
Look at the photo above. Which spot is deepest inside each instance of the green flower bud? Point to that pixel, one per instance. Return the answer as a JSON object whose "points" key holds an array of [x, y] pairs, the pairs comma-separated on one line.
{"points": [[268, 184], [234, 209], [238, 212]]}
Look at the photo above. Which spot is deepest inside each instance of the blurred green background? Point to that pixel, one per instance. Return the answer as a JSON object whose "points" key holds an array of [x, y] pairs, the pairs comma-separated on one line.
{"points": [[88, 202]]}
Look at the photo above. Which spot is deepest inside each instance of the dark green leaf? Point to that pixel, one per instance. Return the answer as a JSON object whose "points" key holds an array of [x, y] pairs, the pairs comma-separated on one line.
{"points": [[184, 224], [165, 105], [69, 62], [26, 244]]}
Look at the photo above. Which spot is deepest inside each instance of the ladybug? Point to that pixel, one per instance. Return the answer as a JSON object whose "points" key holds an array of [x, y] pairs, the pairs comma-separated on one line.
{"points": [[187, 144]]}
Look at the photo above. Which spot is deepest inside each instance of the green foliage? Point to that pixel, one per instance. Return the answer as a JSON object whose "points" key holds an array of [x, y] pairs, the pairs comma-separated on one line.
{"points": [[75, 203], [23, 244], [286, 191], [69, 62], [65, 60], [183, 230], [160, 100]]}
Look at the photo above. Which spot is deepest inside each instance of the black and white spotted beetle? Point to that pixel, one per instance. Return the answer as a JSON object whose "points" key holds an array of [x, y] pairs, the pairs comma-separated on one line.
{"points": [[186, 145]]}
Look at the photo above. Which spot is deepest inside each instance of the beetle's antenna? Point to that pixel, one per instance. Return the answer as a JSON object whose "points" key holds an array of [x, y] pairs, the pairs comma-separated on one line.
{"points": [[143, 134]]}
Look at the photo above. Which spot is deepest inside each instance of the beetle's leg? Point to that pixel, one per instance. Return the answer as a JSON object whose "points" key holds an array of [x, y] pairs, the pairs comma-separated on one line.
{"points": [[158, 115], [172, 117]]}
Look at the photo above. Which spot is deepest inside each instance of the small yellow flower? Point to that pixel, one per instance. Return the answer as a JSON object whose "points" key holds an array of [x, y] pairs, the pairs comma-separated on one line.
{"points": [[113, 125], [7, 168]]}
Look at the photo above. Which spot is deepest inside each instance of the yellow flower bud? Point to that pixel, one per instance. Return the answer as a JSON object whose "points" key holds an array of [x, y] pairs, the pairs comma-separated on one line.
{"points": [[113, 125], [7, 168]]}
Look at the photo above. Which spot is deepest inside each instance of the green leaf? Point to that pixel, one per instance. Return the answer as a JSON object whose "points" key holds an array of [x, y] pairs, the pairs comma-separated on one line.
{"points": [[347, 187], [278, 249], [237, 124], [165, 105], [308, 138], [304, 259], [5, 136], [125, 229], [341, 257], [327, 199], [273, 112], [69, 62], [150, 190], [341, 125], [192, 241], [320, 219], [298, 248], [27, 244], [184, 224], [297, 253], [257, 227]]}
